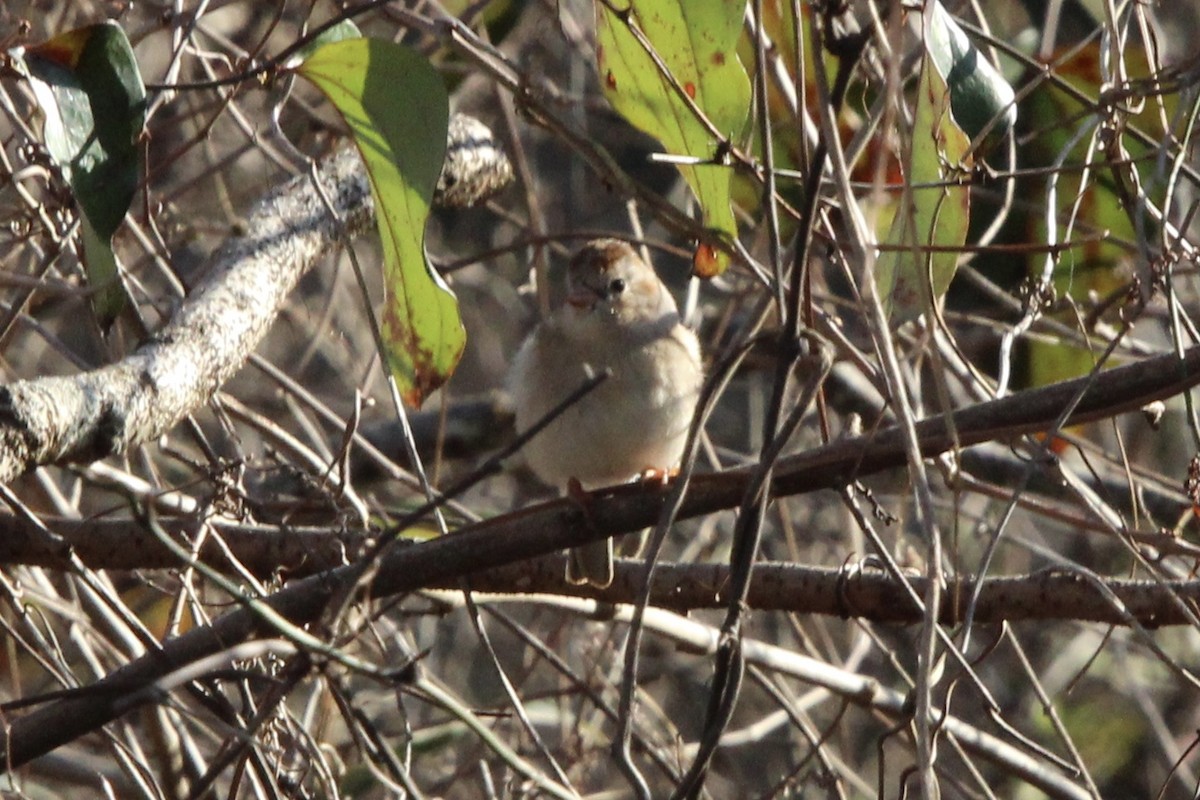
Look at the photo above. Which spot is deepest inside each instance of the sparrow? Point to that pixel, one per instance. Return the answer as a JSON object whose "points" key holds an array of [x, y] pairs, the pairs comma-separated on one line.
{"points": [[618, 318]]}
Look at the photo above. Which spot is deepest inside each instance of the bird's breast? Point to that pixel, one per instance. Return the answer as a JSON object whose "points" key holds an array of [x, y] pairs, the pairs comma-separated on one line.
{"points": [[637, 419]]}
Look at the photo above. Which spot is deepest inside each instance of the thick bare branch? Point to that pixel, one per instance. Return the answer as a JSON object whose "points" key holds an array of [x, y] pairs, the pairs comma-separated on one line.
{"points": [[845, 592], [123, 544], [543, 529], [88, 416]]}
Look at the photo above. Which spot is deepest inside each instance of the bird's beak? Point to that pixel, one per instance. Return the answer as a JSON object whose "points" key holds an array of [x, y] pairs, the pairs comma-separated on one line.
{"points": [[583, 297]]}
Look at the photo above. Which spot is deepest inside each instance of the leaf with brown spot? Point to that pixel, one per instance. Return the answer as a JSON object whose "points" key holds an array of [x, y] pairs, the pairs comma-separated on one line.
{"points": [[697, 42], [705, 262], [395, 104]]}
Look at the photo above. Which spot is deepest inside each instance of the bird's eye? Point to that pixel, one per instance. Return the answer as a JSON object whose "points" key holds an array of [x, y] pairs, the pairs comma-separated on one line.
{"points": [[616, 286]]}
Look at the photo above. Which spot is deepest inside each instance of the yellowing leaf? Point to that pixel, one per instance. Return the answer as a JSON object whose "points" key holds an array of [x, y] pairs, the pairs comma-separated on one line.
{"points": [[934, 213], [396, 107], [697, 42]]}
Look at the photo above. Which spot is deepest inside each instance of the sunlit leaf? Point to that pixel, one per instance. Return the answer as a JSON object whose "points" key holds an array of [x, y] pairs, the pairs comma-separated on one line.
{"points": [[980, 98], [345, 29], [396, 107], [915, 271], [90, 91], [696, 42]]}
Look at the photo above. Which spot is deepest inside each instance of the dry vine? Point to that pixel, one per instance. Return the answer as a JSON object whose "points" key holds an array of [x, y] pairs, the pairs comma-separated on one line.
{"points": [[927, 589]]}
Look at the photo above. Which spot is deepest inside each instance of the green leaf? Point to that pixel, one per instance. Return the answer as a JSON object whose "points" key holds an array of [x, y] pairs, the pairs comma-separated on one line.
{"points": [[1100, 265], [697, 42], [345, 29], [90, 91], [934, 210], [979, 95], [396, 107], [103, 274]]}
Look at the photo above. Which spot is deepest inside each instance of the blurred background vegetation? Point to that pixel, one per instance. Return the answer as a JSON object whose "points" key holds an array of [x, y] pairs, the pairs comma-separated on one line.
{"points": [[1079, 240]]}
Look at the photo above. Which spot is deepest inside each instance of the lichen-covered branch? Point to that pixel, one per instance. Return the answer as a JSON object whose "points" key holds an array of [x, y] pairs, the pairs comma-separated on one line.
{"points": [[88, 416]]}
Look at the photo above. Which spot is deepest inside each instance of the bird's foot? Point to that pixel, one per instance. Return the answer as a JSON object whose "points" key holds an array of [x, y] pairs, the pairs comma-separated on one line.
{"points": [[580, 496], [657, 476]]}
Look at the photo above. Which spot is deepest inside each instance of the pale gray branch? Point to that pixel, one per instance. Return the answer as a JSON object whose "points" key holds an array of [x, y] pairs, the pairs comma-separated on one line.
{"points": [[88, 416]]}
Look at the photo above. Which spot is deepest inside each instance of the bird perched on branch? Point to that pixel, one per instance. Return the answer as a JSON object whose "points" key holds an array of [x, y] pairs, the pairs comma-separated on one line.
{"points": [[618, 318]]}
